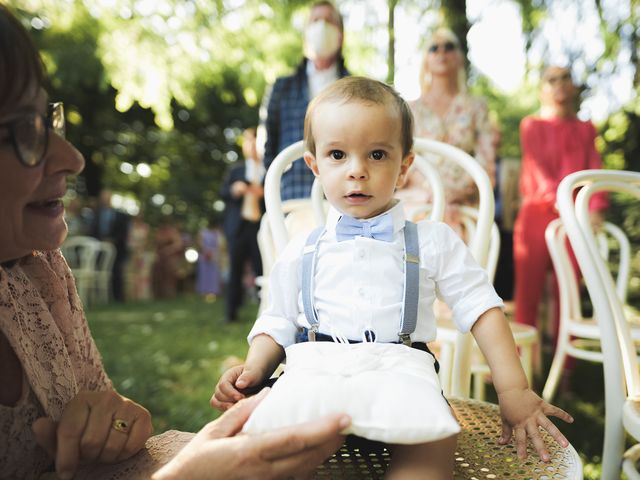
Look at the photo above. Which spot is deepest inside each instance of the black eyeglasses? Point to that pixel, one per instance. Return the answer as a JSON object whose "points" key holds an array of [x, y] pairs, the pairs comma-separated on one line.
{"points": [[30, 133], [446, 46]]}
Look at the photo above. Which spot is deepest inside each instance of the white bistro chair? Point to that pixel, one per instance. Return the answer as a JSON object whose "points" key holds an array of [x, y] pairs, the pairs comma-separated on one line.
{"points": [[579, 337], [105, 257], [81, 253], [620, 363], [478, 455]]}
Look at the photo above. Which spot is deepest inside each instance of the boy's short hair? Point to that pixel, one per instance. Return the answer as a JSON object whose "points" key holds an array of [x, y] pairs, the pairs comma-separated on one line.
{"points": [[367, 91]]}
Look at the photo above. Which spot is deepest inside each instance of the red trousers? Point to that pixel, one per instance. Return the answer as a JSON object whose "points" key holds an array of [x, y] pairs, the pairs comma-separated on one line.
{"points": [[532, 262]]}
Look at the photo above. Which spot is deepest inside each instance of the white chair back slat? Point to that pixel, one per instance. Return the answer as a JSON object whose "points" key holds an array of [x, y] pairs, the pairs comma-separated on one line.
{"points": [[433, 178], [614, 296], [619, 355], [479, 246]]}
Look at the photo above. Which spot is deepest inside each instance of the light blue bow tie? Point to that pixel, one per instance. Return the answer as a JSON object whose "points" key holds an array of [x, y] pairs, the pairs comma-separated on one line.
{"points": [[380, 228]]}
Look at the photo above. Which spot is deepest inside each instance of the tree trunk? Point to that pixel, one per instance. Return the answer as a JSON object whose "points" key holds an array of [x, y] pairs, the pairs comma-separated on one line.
{"points": [[391, 51], [455, 13]]}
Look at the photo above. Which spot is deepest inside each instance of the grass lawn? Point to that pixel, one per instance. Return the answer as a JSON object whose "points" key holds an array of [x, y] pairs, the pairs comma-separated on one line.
{"points": [[168, 355]]}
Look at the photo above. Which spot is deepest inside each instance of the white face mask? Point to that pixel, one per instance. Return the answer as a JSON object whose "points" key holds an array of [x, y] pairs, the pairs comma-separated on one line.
{"points": [[321, 40]]}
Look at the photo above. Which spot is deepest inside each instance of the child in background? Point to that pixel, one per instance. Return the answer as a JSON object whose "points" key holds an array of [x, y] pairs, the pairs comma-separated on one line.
{"points": [[208, 282], [359, 138]]}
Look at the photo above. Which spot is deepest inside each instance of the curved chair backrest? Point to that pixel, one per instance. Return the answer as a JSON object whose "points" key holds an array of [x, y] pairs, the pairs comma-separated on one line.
{"points": [[80, 252], [469, 217], [469, 220], [479, 244], [106, 255], [555, 236], [621, 374]]}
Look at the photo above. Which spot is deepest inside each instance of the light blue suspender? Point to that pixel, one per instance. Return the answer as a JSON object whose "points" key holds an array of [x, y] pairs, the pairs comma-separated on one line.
{"points": [[411, 281]]}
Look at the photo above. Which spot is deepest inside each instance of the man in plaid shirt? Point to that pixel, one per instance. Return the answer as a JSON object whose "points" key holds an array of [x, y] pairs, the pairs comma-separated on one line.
{"points": [[287, 102]]}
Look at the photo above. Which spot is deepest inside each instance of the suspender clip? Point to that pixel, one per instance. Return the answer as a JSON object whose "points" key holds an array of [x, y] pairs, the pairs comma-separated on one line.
{"points": [[411, 258], [405, 338], [311, 334]]}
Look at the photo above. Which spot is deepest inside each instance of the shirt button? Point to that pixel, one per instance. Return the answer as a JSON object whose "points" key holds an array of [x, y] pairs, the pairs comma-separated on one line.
{"points": [[361, 292], [361, 253]]}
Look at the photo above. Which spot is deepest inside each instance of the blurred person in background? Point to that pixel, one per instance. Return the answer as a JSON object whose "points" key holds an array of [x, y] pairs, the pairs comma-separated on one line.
{"points": [[446, 112], [244, 205], [284, 107], [554, 143], [169, 251], [140, 259], [208, 281], [112, 225]]}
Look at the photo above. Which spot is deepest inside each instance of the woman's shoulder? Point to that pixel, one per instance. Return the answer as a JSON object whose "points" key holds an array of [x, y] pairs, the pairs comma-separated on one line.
{"points": [[478, 101], [532, 122]]}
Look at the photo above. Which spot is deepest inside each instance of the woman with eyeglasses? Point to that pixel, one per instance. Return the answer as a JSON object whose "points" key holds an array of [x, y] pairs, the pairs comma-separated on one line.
{"points": [[58, 409], [555, 143], [445, 111]]}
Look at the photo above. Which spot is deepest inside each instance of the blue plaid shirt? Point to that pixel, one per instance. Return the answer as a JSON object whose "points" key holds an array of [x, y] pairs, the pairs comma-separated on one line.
{"points": [[286, 107]]}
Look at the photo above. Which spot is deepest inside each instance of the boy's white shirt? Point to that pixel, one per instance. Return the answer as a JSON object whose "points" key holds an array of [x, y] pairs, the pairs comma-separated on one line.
{"points": [[359, 284]]}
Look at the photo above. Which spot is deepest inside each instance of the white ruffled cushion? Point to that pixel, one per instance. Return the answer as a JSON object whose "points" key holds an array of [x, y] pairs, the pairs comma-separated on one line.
{"points": [[390, 391]]}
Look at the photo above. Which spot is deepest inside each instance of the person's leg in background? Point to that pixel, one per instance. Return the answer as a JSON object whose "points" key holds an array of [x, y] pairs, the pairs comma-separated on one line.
{"points": [[254, 252], [531, 260], [236, 270], [531, 263]]}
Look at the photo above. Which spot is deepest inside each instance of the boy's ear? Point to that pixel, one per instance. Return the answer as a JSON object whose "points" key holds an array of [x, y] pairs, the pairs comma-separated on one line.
{"points": [[407, 161], [310, 160]]}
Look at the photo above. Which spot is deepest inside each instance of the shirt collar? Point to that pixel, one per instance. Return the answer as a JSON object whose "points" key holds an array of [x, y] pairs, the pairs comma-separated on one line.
{"points": [[396, 212]]}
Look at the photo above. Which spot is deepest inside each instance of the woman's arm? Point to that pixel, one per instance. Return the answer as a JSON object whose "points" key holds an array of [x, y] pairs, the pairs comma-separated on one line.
{"points": [[219, 451]]}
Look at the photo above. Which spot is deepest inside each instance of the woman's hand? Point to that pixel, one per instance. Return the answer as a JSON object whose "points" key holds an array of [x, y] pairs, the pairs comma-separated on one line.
{"points": [[95, 427], [217, 452], [522, 412]]}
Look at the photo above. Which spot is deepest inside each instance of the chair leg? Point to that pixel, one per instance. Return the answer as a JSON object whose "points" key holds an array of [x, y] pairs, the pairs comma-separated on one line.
{"points": [[446, 366], [478, 386], [555, 372], [631, 459]]}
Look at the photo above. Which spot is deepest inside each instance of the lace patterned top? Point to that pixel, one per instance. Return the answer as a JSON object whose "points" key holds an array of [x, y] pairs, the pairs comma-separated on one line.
{"points": [[42, 318], [465, 125]]}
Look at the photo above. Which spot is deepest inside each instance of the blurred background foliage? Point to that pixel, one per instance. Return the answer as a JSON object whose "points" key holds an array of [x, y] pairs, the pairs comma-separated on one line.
{"points": [[158, 91]]}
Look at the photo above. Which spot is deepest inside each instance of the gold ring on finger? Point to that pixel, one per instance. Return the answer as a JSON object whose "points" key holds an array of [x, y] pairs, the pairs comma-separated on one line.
{"points": [[120, 425]]}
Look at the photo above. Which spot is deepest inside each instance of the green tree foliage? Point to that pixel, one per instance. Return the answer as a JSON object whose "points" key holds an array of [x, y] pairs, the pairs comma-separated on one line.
{"points": [[163, 84], [171, 83]]}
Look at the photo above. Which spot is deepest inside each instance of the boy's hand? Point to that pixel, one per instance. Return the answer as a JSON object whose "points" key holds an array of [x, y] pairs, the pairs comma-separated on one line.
{"points": [[234, 385], [522, 412]]}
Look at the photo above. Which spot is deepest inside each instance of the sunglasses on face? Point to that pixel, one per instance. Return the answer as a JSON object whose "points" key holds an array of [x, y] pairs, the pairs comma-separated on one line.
{"points": [[29, 134], [446, 47]]}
